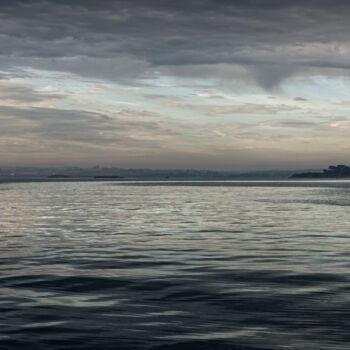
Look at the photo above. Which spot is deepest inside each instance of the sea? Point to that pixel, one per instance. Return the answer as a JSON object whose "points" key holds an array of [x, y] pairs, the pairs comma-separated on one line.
{"points": [[183, 265]]}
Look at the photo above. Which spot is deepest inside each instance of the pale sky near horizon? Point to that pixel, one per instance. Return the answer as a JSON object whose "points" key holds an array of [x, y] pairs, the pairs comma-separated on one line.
{"points": [[234, 85]]}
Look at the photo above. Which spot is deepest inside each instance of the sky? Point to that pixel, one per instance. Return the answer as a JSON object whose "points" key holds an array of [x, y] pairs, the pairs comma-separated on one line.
{"points": [[204, 84]]}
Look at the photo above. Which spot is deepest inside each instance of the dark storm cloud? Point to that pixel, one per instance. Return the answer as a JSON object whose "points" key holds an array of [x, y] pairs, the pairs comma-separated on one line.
{"points": [[123, 41]]}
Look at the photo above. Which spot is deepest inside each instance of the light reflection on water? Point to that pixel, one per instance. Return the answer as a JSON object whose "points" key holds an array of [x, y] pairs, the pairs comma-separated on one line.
{"points": [[157, 265]]}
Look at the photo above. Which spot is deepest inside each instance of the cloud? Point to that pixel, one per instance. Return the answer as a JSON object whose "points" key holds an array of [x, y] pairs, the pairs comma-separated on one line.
{"points": [[247, 108], [26, 93], [253, 41], [290, 123], [344, 124], [219, 133], [70, 70], [78, 126]]}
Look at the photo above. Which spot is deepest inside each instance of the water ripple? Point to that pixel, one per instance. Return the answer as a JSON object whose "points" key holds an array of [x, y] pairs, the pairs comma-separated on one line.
{"points": [[175, 265]]}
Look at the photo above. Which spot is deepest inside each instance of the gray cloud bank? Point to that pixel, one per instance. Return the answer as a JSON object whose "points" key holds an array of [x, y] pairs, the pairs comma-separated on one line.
{"points": [[262, 41], [225, 43]]}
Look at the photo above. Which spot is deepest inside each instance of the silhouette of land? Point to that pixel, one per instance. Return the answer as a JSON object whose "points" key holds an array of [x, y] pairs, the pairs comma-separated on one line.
{"points": [[339, 171], [97, 173]]}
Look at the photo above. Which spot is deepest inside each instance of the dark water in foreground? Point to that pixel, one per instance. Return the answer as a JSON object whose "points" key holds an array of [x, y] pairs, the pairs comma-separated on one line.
{"points": [[157, 266]]}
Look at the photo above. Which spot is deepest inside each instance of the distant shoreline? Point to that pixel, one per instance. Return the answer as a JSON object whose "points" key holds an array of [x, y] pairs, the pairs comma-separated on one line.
{"points": [[162, 180]]}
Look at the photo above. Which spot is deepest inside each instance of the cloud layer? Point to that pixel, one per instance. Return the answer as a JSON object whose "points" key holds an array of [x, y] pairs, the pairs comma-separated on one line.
{"points": [[265, 41], [203, 83]]}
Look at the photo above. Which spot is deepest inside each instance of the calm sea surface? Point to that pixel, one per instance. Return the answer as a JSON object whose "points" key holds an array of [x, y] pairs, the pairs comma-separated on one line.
{"points": [[171, 265]]}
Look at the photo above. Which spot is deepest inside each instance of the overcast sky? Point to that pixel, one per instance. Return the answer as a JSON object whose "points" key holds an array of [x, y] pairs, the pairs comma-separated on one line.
{"points": [[224, 84]]}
